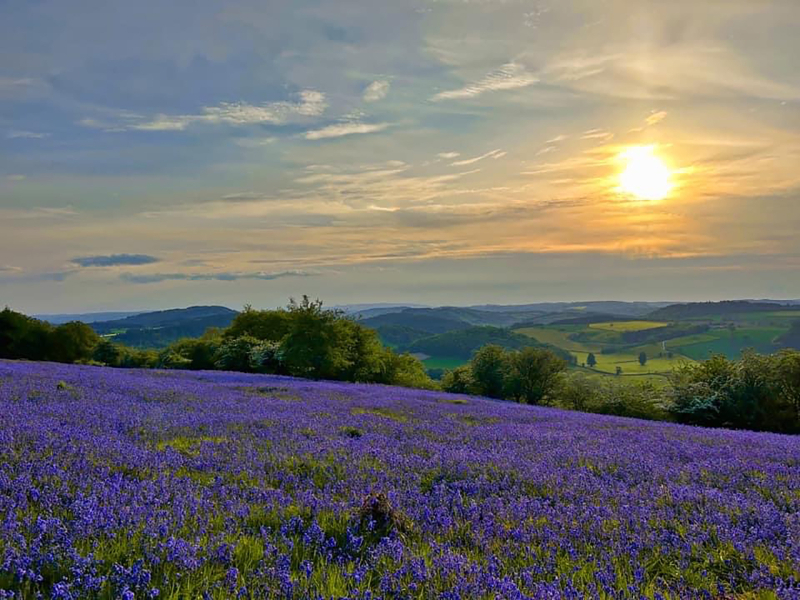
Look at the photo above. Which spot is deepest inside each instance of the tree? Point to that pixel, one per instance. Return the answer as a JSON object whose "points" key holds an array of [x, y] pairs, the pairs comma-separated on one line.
{"points": [[489, 366], [532, 375], [235, 354], [23, 337], [271, 325], [313, 347], [72, 342], [643, 358], [459, 381], [107, 353], [591, 360], [789, 380]]}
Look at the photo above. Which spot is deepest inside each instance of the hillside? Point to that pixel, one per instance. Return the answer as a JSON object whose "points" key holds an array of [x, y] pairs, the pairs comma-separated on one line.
{"points": [[463, 343], [694, 310], [160, 328], [57, 319], [225, 485]]}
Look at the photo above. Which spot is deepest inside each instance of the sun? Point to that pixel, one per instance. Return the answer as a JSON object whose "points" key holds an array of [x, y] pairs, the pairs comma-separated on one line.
{"points": [[645, 175]]}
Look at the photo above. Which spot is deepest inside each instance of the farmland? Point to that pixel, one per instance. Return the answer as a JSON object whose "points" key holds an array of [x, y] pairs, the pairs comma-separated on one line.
{"points": [[145, 484]]}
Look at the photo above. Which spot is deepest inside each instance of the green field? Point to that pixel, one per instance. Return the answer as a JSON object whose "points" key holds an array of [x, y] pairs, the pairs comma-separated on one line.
{"points": [[731, 343], [559, 336], [629, 363], [628, 325]]}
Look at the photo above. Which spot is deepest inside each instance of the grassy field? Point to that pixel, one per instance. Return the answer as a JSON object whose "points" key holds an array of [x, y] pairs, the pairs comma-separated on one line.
{"points": [[559, 336], [628, 325], [629, 363], [731, 343]]}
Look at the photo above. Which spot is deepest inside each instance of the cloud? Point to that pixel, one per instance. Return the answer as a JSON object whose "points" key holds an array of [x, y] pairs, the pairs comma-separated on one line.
{"points": [[342, 129], [17, 276], [448, 155], [376, 90], [468, 161], [38, 212], [656, 117], [597, 134], [15, 177], [222, 276], [311, 104], [25, 135], [113, 260], [508, 77], [256, 142], [9, 269]]}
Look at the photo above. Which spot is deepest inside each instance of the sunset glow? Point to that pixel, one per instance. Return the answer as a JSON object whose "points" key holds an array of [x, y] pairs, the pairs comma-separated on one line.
{"points": [[645, 176]]}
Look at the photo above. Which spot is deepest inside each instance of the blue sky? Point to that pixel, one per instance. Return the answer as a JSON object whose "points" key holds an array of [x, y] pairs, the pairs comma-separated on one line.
{"points": [[161, 154]]}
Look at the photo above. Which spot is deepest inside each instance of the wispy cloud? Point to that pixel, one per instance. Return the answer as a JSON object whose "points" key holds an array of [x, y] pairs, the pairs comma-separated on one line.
{"points": [[468, 161], [448, 155], [311, 103], [25, 135], [9, 269], [376, 90], [510, 76], [223, 276], [656, 117], [342, 129], [258, 142], [113, 260]]}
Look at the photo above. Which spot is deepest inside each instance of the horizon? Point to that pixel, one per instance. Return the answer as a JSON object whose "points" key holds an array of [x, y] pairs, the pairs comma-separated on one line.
{"points": [[368, 305], [434, 152]]}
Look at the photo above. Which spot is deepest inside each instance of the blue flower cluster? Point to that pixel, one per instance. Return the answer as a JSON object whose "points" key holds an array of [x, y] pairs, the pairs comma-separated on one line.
{"points": [[170, 485]]}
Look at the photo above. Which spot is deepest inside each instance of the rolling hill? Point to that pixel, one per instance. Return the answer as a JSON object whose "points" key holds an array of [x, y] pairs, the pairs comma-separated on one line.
{"points": [[161, 328]]}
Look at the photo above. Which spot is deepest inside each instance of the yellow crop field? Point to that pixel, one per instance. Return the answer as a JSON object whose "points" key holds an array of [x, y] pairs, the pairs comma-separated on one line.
{"points": [[627, 325]]}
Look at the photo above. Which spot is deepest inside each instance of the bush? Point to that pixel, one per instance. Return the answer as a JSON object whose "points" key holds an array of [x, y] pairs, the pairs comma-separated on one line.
{"points": [[459, 381], [757, 392]]}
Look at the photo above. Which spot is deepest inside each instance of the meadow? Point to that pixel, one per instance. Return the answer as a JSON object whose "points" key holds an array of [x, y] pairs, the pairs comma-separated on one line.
{"points": [[169, 484]]}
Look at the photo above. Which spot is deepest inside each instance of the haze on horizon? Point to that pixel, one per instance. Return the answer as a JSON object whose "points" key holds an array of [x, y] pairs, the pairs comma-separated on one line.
{"points": [[439, 152]]}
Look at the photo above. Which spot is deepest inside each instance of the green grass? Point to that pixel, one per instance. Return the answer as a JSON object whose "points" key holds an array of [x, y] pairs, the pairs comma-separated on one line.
{"points": [[559, 336], [628, 325], [629, 363], [731, 343]]}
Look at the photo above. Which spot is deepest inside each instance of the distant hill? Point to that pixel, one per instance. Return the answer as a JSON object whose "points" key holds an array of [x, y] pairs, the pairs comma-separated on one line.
{"points": [[58, 319], [463, 343], [631, 309], [588, 319], [427, 322], [694, 310], [445, 318], [161, 328]]}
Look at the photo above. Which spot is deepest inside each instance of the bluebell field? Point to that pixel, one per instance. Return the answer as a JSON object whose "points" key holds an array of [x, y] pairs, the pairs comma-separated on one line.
{"points": [[177, 485]]}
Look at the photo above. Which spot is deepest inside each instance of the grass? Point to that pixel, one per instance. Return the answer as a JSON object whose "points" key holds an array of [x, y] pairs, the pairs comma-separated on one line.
{"points": [[628, 325], [629, 363], [559, 336], [731, 343]]}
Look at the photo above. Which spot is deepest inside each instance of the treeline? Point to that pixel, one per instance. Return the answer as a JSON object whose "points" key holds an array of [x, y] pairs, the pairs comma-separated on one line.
{"points": [[303, 340], [757, 392]]}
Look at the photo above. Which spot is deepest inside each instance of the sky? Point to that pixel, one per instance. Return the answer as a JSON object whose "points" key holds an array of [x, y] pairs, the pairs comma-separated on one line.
{"points": [[159, 154]]}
